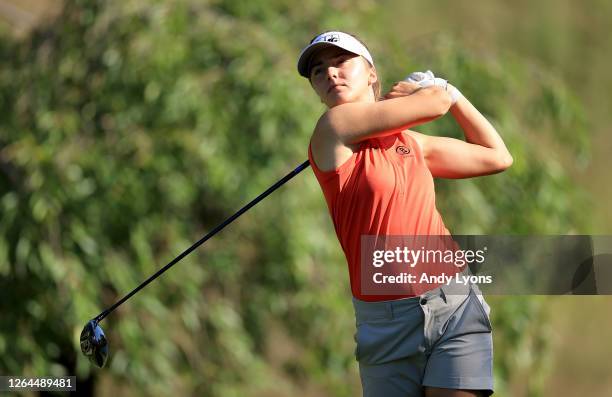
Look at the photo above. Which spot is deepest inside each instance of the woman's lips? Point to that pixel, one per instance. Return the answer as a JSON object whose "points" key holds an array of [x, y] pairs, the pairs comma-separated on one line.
{"points": [[333, 87]]}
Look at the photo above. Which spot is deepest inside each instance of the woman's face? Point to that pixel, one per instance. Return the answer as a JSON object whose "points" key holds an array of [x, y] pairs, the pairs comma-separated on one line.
{"points": [[339, 76]]}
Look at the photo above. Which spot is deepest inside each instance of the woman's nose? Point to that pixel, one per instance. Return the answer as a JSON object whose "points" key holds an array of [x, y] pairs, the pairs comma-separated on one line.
{"points": [[332, 72]]}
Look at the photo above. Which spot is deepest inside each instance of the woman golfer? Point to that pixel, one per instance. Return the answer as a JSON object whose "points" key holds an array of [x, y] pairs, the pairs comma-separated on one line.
{"points": [[377, 178]]}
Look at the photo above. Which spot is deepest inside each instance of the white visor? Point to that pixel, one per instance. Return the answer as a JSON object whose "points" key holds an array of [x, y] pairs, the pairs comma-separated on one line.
{"points": [[327, 39]]}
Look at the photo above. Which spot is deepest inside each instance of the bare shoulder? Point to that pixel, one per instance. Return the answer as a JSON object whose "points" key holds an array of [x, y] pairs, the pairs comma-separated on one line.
{"points": [[328, 151]]}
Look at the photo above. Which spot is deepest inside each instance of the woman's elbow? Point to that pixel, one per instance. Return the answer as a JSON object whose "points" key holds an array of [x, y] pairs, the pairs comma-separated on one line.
{"points": [[503, 161]]}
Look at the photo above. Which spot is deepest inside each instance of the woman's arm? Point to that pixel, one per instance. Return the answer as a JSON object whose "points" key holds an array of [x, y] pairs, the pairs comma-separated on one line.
{"points": [[351, 123], [341, 128], [482, 153]]}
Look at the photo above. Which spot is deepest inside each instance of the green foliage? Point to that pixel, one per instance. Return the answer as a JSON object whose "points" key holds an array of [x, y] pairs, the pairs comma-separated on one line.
{"points": [[128, 130]]}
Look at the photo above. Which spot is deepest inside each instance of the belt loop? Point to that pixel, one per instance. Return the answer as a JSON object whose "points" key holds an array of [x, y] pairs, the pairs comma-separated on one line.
{"points": [[390, 310]]}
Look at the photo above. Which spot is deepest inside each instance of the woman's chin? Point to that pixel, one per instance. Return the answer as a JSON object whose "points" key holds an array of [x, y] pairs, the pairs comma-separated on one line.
{"points": [[337, 100]]}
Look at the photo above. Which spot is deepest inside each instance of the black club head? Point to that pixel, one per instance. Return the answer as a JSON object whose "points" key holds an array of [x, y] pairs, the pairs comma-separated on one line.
{"points": [[94, 344]]}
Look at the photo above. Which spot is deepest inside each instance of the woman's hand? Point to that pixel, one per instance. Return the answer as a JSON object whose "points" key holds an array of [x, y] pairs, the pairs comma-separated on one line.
{"points": [[427, 79], [402, 88]]}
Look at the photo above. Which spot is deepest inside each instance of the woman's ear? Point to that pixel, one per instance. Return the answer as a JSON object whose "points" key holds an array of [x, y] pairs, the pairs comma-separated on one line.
{"points": [[373, 76]]}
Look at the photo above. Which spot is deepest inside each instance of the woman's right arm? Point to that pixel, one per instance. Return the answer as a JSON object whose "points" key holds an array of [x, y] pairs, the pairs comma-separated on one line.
{"points": [[341, 128], [351, 123]]}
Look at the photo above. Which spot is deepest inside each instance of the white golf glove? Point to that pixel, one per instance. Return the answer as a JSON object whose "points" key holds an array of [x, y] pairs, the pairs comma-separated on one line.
{"points": [[416, 77], [427, 79]]}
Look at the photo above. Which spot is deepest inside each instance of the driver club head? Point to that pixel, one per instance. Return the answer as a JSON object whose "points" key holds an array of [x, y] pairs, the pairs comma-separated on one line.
{"points": [[94, 344]]}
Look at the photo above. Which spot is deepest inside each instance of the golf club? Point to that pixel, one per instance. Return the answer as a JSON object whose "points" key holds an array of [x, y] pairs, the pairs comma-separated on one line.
{"points": [[94, 344]]}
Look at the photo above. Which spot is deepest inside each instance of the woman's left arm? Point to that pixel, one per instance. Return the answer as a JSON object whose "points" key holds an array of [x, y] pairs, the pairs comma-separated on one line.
{"points": [[482, 153]]}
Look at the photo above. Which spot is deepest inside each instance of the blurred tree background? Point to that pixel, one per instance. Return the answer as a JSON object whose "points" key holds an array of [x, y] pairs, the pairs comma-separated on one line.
{"points": [[128, 129]]}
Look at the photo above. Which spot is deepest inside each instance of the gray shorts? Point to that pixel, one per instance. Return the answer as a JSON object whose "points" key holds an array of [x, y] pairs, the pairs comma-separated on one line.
{"points": [[441, 338]]}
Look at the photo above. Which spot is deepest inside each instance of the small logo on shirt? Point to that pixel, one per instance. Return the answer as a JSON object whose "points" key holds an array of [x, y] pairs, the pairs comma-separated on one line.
{"points": [[402, 150]]}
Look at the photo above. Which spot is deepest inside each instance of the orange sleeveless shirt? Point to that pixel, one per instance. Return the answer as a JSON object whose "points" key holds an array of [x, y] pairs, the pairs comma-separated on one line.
{"points": [[383, 189]]}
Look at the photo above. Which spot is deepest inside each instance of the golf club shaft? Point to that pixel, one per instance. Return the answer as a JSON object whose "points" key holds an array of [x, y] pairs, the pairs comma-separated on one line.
{"points": [[217, 229]]}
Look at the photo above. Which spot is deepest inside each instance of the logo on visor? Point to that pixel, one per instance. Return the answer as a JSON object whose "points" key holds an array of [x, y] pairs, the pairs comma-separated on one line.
{"points": [[330, 38]]}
